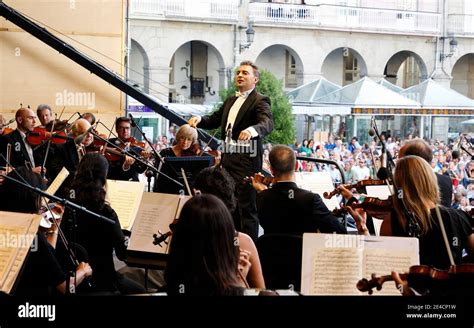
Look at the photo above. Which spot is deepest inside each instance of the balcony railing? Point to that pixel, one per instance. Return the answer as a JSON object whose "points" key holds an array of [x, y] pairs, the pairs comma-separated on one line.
{"points": [[218, 10], [343, 17], [460, 24]]}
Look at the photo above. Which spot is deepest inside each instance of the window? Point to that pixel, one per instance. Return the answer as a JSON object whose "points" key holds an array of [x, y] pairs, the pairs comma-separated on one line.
{"points": [[351, 67], [290, 71]]}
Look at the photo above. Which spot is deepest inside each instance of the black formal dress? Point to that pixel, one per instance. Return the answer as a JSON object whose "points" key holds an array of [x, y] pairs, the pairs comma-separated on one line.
{"points": [[432, 247], [255, 112], [285, 208], [100, 239]]}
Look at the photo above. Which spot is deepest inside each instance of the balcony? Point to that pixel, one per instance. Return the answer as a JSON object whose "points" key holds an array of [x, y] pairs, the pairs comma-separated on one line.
{"points": [[199, 10], [345, 18], [460, 24]]}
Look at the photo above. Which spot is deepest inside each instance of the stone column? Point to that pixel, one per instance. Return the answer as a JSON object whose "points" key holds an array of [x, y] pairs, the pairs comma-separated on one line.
{"points": [[159, 81]]}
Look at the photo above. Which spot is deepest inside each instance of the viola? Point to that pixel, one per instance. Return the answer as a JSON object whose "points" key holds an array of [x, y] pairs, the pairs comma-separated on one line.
{"points": [[424, 278], [359, 185]]}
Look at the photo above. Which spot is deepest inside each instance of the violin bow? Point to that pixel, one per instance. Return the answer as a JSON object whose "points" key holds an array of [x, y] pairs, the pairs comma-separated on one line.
{"points": [[62, 111], [48, 146], [207, 144]]}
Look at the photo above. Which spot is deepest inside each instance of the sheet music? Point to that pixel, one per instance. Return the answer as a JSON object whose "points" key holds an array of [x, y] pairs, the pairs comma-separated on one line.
{"points": [[156, 212], [17, 231], [336, 271], [124, 197], [333, 264], [57, 182], [318, 182]]}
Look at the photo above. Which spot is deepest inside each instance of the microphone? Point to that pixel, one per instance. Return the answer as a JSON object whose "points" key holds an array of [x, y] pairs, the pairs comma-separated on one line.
{"points": [[80, 138]]}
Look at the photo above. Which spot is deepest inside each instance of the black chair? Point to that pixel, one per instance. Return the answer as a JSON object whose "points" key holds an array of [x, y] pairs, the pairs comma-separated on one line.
{"points": [[280, 256]]}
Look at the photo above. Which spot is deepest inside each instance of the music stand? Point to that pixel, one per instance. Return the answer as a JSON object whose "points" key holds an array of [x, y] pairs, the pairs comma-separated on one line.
{"points": [[172, 166]]}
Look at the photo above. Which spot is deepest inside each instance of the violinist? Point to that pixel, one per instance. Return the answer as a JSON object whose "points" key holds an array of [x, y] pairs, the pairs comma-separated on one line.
{"points": [[285, 208], [101, 239], [45, 114], [186, 137], [42, 274], [124, 167], [22, 153], [69, 154], [415, 213]]}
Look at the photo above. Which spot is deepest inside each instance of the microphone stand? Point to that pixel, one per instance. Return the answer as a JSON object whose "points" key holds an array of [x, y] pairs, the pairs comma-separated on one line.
{"points": [[157, 155], [136, 158], [413, 227]]}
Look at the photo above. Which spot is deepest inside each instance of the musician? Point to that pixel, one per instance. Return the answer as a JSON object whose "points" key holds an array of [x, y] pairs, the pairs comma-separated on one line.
{"points": [[89, 117], [418, 187], [45, 114], [285, 208], [246, 116], [70, 153], [218, 182], [101, 239], [186, 137], [126, 168], [421, 148], [42, 272], [203, 257], [22, 153]]}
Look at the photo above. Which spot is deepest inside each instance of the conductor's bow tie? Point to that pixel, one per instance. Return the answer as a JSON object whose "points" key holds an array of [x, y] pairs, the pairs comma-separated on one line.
{"points": [[240, 94]]}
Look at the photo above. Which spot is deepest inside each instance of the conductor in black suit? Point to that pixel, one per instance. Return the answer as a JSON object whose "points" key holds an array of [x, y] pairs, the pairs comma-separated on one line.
{"points": [[285, 208], [245, 117]]}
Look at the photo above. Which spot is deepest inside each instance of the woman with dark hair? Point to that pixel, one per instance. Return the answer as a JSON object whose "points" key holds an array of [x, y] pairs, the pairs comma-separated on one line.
{"points": [[99, 238], [218, 182], [204, 254], [42, 273]]}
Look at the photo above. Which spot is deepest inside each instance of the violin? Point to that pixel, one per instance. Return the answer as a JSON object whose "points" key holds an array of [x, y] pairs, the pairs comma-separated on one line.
{"points": [[359, 185], [4, 130], [157, 240], [369, 204], [54, 131], [260, 178], [424, 278]]}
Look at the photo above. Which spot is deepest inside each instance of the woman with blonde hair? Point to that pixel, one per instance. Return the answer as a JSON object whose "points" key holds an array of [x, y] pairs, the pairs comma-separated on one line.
{"points": [[419, 194], [415, 214], [186, 137]]}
